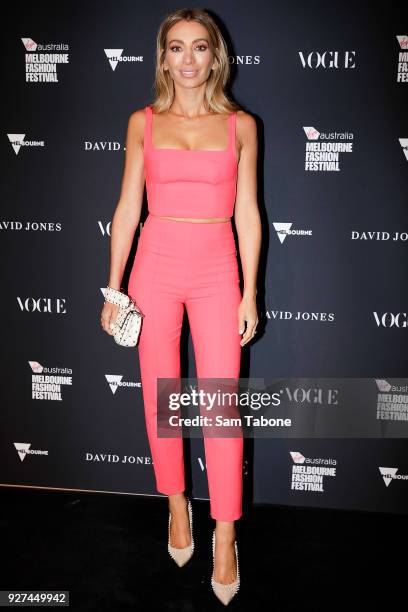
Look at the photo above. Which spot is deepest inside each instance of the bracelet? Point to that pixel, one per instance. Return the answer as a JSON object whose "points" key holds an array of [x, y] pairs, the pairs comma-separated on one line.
{"points": [[113, 296]]}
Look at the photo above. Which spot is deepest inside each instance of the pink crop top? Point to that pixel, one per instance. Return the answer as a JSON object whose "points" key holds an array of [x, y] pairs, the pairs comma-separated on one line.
{"points": [[187, 182]]}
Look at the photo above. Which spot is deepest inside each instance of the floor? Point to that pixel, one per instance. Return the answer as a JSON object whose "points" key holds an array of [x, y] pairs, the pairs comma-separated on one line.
{"points": [[110, 553]]}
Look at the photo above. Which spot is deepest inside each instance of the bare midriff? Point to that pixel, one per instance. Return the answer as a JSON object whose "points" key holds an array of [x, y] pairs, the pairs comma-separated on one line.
{"points": [[195, 220]]}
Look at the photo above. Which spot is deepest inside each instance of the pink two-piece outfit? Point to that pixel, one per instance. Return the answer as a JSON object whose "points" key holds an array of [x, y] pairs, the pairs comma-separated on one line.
{"points": [[191, 264]]}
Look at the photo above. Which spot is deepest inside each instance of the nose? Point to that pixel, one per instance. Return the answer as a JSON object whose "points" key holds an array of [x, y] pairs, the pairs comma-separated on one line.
{"points": [[188, 56]]}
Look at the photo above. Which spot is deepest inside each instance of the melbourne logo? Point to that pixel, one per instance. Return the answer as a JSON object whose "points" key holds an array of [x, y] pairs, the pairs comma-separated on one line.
{"points": [[390, 474], [285, 229], [17, 141], [115, 381], [115, 57], [23, 449], [404, 145]]}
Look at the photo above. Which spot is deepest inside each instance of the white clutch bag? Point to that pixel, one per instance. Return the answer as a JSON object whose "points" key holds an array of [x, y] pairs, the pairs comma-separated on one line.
{"points": [[128, 323]]}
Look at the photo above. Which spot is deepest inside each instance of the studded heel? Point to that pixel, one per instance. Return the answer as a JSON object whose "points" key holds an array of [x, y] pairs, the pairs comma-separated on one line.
{"points": [[182, 555], [225, 592]]}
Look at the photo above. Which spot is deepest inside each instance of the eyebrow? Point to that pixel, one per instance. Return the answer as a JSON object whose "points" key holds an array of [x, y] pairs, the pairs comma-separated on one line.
{"points": [[181, 41]]}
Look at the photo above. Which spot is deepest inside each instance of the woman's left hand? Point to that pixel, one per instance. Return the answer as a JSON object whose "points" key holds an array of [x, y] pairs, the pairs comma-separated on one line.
{"points": [[247, 312]]}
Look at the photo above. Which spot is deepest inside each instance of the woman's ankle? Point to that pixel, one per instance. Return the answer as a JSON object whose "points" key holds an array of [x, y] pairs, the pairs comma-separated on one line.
{"points": [[178, 500]]}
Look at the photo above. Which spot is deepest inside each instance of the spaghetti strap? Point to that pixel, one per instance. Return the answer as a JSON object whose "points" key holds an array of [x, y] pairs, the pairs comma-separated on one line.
{"points": [[232, 132], [147, 139]]}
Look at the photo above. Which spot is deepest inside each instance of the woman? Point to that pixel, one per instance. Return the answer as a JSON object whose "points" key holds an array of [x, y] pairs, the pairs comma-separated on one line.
{"points": [[197, 153]]}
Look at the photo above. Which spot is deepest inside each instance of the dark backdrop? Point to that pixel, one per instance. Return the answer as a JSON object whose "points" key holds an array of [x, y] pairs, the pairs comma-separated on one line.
{"points": [[310, 73]]}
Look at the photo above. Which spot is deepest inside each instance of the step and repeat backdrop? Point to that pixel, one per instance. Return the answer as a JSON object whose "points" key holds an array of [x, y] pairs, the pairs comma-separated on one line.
{"points": [[328, 87]]}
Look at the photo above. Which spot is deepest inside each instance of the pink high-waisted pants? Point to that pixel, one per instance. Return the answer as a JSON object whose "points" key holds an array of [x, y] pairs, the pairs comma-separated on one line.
{"points": [[193, 264]]}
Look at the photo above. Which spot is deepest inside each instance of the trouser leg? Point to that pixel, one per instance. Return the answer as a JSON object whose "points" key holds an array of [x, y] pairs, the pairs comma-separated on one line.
{"points": [[159, 356], [213, 318]]}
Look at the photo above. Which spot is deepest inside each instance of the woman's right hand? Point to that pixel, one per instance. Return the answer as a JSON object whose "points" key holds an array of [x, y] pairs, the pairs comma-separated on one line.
{"points": [[108, 316]]}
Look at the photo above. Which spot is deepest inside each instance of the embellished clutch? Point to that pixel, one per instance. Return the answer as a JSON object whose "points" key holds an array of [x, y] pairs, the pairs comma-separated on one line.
{"points": [[127, 327]]}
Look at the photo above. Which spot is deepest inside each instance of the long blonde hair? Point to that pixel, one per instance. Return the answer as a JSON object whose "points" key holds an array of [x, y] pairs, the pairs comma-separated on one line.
{"points": [[215, 98]]}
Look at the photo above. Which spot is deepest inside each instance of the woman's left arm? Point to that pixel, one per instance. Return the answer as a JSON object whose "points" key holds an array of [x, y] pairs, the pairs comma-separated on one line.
{"points": [[248, 222]]}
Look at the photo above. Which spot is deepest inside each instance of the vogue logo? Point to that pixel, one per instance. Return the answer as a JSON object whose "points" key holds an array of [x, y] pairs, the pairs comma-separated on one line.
{"points": [[328, 59], [50, 305], [389, 319], [105, 229]]}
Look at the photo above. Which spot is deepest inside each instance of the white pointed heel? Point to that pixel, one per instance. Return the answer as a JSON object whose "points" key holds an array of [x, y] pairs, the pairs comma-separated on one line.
{"points": [[182, 555], [225, 592]]}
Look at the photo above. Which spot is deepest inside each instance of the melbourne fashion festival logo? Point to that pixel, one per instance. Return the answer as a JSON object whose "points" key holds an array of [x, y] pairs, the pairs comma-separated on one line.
{"points": [[115, 57], [308, 474], [392, 401], [402, 71], [328, 59], [322, 156], [47, 383], [41, 61], [17, 141]]}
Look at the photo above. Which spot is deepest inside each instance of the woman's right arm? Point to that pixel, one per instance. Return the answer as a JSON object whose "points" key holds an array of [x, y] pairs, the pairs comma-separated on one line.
{"points": [[127, 213]]}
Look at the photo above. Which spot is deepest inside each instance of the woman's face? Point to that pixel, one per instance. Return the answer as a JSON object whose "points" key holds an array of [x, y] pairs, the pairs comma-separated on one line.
{"points": [[188, 56]]}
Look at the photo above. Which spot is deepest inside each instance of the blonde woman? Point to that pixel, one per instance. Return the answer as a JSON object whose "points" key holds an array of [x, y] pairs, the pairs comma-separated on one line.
{"points": [[197, 152]]}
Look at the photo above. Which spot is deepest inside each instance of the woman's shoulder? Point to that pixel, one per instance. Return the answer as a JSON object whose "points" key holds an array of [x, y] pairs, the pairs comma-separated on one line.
{"points": [[246, 124], [138, 115], [136, 121], [245, 118]]}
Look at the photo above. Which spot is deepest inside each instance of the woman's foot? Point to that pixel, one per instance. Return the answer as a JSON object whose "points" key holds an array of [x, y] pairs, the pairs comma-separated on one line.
{"points": [[225, 566], [180, 535]]}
